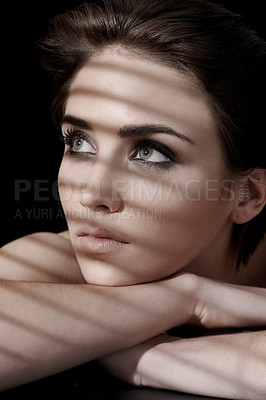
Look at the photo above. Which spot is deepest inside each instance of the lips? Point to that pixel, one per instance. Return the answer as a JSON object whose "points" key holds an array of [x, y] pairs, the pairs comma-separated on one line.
{"points": [[98, 241]]}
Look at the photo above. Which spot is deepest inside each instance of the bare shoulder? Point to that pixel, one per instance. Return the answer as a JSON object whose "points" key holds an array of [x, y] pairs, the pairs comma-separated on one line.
{"points": [[40, 257], [64, 234]]}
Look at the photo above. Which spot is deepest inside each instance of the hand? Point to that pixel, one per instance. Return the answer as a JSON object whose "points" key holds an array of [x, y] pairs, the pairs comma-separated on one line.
{"points": [[214, 304], [223, 305], [205, 365]]}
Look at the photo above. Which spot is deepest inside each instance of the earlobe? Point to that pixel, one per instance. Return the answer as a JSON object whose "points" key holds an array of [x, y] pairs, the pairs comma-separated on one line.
{"points": [[251, 195]]}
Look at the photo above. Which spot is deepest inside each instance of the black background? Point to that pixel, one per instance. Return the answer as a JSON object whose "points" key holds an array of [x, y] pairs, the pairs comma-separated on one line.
{"points": [[30, 150]]}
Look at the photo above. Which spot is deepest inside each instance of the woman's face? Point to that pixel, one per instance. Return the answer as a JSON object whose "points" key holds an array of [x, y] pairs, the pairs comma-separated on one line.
{"points": [[141, 181]]}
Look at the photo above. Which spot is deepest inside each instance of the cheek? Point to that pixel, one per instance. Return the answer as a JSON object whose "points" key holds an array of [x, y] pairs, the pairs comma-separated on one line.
{"points": [[69, 185], [180, 219], [65, 185]]}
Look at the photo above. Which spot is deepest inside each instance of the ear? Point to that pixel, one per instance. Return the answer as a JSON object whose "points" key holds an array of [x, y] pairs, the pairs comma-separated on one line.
{"points": [[251, 196]]}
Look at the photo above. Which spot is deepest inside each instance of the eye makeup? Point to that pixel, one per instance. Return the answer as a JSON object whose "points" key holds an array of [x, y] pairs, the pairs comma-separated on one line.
{"points": [[167, 160], [74, 138], [146, 153]]}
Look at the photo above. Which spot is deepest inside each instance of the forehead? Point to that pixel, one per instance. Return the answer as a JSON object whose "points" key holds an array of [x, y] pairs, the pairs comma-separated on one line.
{"points": [[120, 88]]}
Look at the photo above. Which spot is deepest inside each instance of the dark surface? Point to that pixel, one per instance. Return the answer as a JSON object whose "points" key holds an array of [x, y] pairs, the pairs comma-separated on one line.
{"points": [[90, 382]]}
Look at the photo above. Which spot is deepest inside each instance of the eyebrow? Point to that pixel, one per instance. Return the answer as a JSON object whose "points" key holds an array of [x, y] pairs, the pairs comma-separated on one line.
{"points": [[129, 130]]}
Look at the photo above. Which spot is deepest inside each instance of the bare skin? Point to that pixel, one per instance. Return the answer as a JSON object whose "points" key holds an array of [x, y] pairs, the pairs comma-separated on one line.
{"points": [[61, 316], [69, 323], [62, 303], [143, 161]]}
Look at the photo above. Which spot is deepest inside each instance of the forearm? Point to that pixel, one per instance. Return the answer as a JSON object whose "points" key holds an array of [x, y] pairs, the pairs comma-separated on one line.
{"points": [[227, 366], [46, 328], [231, 366]]}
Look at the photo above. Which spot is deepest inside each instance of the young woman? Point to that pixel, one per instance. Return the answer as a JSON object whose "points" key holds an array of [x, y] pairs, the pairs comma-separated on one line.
{"points": [[163, 184]]}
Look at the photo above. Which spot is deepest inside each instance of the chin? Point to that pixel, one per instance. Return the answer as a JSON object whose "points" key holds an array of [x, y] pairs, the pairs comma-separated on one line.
{"points": [[115, 282], [110, 278]]}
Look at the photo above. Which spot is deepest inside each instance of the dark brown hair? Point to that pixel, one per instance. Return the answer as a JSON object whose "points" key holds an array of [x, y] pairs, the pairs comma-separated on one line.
{"points": [[195, 36]]}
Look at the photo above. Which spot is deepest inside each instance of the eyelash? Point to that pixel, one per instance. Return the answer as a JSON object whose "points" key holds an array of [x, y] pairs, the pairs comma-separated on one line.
{"points": [[164, 150], [68, 138], [71, 134]]}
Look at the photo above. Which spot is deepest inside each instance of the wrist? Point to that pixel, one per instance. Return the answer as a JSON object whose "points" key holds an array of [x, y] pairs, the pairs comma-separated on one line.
{"points": [[183, 293], [152, 365]]}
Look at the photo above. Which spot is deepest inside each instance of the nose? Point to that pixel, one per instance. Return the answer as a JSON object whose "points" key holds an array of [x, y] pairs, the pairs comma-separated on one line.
{"points": [[100, 192]]}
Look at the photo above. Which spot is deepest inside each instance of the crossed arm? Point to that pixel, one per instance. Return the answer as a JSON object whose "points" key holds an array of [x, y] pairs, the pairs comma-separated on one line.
{"points": [[229, 366], [49, 327]]}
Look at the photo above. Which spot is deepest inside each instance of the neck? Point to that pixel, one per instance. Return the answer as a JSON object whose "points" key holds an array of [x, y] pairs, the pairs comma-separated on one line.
{"points": [[254, 273], [218, 260]]}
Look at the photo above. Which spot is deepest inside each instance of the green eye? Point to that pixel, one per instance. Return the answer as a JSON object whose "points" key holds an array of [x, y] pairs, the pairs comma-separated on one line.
{"points": [[80, 145], [151, 155], [77, 144], [145, 153]]}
